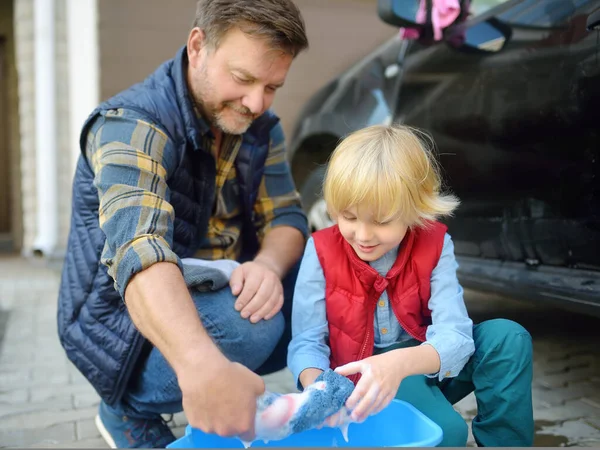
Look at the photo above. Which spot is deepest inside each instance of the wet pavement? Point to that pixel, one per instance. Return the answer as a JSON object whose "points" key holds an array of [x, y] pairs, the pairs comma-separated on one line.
{"points": [[45, 402], [566, 384]]}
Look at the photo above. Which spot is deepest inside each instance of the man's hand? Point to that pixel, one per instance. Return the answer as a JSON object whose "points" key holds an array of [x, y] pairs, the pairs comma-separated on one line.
{"points": [[221, 398], [378, 385], [259, 291]]}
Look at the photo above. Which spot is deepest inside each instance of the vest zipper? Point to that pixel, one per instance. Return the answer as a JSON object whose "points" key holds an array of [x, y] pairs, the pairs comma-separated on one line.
{"points": [[354, 378], [405, 328], [363, 349]]}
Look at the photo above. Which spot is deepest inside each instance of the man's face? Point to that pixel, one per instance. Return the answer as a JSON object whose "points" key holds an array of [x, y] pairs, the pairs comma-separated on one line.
{"points": [[236, 82]]}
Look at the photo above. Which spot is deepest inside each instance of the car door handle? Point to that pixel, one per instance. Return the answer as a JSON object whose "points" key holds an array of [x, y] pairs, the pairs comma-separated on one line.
{"points": [[392, 70]]}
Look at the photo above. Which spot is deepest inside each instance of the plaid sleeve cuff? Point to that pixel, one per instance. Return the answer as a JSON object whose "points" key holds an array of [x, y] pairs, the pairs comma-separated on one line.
{"points": [[137, 256], [295, 219]]}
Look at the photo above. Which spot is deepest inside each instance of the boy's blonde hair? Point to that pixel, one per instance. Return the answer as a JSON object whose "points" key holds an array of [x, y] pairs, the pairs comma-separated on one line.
{"points": [[390, 169]]}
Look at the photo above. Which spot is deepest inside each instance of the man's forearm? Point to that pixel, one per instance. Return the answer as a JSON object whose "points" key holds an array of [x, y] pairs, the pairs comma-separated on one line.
{"points": [[162, 309], [281, 248]]}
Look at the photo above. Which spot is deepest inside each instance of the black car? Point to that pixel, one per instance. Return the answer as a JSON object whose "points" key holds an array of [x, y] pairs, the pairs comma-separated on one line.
{"points": [[510, 97]]}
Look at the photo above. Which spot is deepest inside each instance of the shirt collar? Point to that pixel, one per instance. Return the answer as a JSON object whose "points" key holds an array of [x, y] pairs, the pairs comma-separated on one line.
{"points": [[203, 126]]}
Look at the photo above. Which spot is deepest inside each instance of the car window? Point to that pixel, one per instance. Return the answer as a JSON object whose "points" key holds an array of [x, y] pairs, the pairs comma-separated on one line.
{"points": [[542, 13]]}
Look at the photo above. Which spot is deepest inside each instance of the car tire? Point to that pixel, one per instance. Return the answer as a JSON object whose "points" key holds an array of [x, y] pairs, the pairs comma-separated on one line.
{"points": [[312, 200]]}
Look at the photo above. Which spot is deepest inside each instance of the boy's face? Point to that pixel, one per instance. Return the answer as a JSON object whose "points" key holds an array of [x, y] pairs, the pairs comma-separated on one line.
{"points": [[369, 239]]}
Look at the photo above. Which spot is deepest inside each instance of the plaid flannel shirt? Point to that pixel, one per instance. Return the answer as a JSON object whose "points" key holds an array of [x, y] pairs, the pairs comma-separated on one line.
{"points": [[132, 160]]}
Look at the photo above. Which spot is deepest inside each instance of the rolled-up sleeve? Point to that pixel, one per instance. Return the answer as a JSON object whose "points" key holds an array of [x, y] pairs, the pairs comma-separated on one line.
{"points": [[132, 159], [278, 203], [451, 331], [310, 330]]}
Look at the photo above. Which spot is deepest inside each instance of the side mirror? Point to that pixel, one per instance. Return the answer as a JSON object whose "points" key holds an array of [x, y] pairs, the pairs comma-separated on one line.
{"points": [[399, 13], [485, 37], [593, 21]]}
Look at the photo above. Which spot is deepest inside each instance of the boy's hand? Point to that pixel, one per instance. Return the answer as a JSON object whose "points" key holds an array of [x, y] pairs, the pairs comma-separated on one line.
{"points": [[380, 379], [259, 291], [337, 419]]}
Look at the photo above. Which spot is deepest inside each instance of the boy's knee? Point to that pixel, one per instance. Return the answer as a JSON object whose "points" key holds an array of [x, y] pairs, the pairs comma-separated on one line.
{"points": [[502, 333], [456, 431], [505, 338]]}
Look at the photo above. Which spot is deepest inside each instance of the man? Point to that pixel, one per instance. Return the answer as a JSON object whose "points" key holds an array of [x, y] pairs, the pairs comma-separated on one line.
{"points": [[189, 163]]}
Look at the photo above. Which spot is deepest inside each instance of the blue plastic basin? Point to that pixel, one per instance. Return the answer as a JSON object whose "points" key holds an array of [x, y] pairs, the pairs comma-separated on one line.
{"points": [[399, 425]]}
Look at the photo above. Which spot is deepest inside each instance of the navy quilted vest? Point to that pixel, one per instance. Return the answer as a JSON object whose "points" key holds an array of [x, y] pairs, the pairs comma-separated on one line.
{"points": [[94, 326]]}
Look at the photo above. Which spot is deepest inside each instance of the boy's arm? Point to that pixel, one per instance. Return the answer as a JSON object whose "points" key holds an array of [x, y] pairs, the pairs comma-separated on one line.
{"points": [[308, 376], [451, 331], [308, 352]]}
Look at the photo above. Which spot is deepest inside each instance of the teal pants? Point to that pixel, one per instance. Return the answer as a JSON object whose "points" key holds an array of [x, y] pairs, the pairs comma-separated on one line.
{"points": [[500, 373]]}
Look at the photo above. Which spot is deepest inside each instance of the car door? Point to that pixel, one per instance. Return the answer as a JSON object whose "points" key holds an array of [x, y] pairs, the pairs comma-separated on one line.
{"points": [[515, 134]]}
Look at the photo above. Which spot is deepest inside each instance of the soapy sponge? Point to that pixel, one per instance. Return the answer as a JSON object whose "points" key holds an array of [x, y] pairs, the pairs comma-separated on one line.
{"points": [[278, 416], [330, 392]]}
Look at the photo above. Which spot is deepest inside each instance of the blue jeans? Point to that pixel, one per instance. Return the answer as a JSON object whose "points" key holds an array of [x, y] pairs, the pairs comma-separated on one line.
{"points": [[262, 347]]}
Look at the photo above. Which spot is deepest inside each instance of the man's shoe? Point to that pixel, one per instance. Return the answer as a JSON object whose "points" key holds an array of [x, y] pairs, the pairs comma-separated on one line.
{"points": [[126, 432]]}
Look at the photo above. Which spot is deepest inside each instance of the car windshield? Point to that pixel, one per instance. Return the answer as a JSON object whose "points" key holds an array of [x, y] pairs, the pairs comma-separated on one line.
{"points": [[535, 13], [481, 6]]}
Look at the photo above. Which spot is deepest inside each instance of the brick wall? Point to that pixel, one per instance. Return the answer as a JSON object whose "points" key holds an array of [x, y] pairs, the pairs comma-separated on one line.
{"points": [[25, 56], [25, 52], [65, 163], [12, 119]]}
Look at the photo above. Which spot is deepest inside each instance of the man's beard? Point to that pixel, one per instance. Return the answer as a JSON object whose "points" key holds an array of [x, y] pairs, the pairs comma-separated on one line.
{"points": [[243, 119], [215, 114]]}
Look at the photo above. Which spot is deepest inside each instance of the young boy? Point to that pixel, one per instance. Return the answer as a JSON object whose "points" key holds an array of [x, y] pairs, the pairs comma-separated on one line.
{"points": [[377, 297]]}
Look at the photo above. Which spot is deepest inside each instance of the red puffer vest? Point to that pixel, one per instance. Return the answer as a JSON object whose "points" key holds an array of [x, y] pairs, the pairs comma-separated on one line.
{"points": [[353, 289]]}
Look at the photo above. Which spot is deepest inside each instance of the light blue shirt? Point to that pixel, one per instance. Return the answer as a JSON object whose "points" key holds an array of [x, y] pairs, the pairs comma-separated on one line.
{"points": [[384, 314], [451, 331]]}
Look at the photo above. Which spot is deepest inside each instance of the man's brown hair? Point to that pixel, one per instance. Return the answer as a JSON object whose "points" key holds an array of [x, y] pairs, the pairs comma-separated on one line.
{"points": [[277, 21]]}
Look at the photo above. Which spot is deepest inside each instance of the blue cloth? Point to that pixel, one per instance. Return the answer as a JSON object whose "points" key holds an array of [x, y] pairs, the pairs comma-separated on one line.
{"points": [[280, 415], [451, 332], [93, 325], [205, 275], [322, 404]]}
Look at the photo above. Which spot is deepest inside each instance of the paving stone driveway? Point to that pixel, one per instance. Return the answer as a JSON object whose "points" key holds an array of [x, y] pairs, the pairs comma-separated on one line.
{"points": [[45, 402]]}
